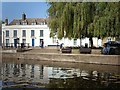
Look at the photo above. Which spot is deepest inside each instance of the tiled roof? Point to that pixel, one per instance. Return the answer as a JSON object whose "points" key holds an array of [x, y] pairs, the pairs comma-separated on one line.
{"points": [[29, 21]]}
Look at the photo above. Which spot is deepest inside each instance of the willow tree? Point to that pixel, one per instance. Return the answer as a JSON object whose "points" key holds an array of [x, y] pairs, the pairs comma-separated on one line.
{"points": [[76, 19], [70, 19], [106, 20]]}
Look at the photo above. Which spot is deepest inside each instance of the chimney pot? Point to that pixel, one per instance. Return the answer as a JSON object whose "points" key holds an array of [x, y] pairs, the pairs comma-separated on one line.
{"points": [[6, 21], [23, 16]]}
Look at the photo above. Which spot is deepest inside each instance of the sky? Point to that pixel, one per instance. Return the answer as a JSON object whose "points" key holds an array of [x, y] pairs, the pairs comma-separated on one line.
{"points": [[14, 10]]}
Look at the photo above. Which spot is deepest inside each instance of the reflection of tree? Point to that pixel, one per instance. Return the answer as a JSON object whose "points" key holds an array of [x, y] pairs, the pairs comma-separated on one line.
{"points": [[7, 71], [32, 71], [23, 70], [16, 70], [89, 82]]}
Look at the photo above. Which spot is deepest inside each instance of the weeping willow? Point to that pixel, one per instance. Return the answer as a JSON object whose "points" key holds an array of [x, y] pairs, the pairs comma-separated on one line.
{"points": [[76, 19]]}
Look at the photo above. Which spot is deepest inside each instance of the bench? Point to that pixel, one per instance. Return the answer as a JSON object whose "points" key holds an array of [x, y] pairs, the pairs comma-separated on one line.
{"points": [[85, 50], [66, 50]]}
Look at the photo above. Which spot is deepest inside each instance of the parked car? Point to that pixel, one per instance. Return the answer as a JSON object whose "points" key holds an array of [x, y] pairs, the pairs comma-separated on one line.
{"points": [[111, 48]]}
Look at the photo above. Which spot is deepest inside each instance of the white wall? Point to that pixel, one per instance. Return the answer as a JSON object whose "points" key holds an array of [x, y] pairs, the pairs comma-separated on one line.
{"points": [[96, 42], [28, 37], [46, 36]]}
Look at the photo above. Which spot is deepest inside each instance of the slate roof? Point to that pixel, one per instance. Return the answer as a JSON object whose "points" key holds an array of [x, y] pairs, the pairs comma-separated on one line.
{"points": [[29, 21]]}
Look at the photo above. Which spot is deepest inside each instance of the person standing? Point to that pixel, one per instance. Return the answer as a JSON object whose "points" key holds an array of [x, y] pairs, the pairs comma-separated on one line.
{"points": [[91, 41], [57, 44], [42, 44], [106, 49]]}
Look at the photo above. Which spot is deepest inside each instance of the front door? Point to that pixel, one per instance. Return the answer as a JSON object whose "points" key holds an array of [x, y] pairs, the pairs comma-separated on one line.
{"points": [[15, 43], [33, 42], [41, 41]]}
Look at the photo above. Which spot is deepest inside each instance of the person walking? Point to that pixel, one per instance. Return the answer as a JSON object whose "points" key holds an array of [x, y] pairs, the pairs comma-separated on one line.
{"points": [[61, 46]]}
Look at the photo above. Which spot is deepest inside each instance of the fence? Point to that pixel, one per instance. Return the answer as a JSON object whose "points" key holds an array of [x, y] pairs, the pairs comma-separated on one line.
{"points": [[15, 45]]}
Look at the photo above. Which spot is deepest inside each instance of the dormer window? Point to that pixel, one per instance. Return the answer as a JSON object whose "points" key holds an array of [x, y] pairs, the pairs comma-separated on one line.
{"points": [[45, 23], [18, 23], [33, 23], [42, 23], [24, 23]]}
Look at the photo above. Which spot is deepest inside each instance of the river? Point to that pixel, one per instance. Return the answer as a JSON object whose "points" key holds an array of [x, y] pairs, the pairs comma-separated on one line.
{"points": [[46, 74]]}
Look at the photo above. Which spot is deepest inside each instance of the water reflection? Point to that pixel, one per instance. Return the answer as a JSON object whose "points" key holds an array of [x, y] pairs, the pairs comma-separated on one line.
{"points": [[47, 75], [32, 72], [41, 71]]}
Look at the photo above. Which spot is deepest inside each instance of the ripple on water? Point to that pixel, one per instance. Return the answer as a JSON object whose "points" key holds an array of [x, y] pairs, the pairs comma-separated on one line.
{"points": [[37, 75]]}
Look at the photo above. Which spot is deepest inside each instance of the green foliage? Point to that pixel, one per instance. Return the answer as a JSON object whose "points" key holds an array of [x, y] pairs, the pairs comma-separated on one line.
{"points": [[76, 19]]}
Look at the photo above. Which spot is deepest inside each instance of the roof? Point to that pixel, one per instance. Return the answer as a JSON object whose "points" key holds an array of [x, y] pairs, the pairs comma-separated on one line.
{"points": [[29, 21]]}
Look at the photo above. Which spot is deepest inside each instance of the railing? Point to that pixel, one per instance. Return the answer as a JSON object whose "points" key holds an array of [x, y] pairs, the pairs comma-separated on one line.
{"points": [[13, 45]]}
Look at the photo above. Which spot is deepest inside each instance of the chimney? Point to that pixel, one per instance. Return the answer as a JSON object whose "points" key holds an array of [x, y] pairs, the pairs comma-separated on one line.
{"points": [[6, 21], [23, 16]]}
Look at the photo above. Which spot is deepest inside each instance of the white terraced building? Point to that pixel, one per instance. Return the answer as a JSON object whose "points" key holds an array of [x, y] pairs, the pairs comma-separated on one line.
{"points": [[32, 31]]}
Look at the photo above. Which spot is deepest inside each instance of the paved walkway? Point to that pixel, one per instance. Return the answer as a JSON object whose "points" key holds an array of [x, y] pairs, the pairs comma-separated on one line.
{"points": [[55, 50], [50, 50], [52, 54]]}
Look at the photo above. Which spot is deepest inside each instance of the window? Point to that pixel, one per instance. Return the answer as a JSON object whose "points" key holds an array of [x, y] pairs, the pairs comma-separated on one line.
{"points": [[32, 33], [24, 33], [15, 33], [7, 33], [41, 33], [75, 41], [7, 42]]}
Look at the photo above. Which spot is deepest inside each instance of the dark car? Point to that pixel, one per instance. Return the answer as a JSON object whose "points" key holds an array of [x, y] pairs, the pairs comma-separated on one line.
{"points": [[111, 48]]}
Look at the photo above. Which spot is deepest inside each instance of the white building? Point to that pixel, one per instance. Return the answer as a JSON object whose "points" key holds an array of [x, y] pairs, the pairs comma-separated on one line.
{"points": [[32, 31], [27, 30]]}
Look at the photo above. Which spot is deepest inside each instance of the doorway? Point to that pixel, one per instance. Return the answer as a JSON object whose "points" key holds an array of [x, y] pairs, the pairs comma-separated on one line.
{"points": [[33, 42]]}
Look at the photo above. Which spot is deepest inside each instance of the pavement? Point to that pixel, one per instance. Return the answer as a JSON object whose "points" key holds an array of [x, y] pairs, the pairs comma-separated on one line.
{"points": [[56, 50], [54, 54], [52, 50]]}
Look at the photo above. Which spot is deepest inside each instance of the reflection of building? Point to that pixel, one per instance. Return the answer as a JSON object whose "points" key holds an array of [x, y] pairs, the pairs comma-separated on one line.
{"points": [[33, 30], [65, 73], [32, 71], [25, 72], [41, 71]]}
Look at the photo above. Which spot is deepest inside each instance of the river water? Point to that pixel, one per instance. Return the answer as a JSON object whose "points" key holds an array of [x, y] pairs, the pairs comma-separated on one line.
{"points": [[46, 74]]}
